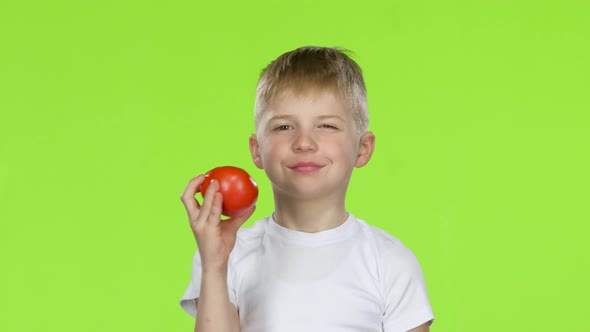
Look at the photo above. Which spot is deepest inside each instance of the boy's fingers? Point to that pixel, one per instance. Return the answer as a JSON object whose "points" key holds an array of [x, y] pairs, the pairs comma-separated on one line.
{"points": [[237, 222], [216, 210], [188, 195], [208, 199]]}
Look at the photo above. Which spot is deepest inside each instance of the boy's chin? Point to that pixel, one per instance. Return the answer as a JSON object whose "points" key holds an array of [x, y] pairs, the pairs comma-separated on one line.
{"points": [[310, 194]]}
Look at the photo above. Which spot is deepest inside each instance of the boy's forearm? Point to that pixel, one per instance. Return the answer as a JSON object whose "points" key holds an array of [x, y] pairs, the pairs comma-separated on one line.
{"points": [[215, 311]]}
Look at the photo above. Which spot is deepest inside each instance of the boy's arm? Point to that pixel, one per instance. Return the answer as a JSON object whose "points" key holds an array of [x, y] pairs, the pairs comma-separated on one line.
{"points": [[422, 328], [215, 311], [216, 239]]}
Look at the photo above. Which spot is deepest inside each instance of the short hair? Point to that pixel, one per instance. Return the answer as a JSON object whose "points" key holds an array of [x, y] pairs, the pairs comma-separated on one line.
{"points": [[311, 67]]}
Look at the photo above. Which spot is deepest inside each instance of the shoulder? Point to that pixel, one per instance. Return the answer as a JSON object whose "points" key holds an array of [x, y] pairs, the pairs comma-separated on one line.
{"points": [[400, 281], [249, 238], [256, 230], [392, 255], [384, 242]]}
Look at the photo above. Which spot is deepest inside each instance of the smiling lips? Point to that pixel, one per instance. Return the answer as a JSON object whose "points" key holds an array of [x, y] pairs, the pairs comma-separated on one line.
{"points": [[305, 167]]}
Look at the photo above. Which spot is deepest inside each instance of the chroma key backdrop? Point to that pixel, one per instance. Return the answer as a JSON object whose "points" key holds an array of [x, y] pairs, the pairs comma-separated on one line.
{"points": [[108, 108]]}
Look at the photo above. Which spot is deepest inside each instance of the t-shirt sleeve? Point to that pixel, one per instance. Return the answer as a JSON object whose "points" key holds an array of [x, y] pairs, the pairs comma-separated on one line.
{"points": [[406, 300], [192, 292]]}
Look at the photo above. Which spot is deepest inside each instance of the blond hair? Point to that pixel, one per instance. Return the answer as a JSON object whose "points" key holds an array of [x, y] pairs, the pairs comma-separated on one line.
{"points": [[308, 68]]}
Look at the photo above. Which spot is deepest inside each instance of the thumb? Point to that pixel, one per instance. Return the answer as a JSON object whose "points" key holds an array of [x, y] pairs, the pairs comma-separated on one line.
{"points": [[236, 222]]}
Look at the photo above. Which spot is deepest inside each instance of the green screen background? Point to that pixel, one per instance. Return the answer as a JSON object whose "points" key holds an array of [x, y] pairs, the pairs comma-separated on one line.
{"points": [[108, 108]]}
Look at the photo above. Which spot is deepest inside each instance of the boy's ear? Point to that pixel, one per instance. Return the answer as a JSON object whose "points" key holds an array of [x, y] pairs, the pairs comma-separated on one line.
{"points": [[366, 148], [255, 151]]}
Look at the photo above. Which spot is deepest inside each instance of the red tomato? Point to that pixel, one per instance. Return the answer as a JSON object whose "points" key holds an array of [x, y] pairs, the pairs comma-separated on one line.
{"points": [[238, 189]]}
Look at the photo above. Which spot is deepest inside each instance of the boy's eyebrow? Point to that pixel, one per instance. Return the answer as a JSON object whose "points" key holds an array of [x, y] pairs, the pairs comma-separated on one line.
{"points": [[331, 116], [279, 117]]}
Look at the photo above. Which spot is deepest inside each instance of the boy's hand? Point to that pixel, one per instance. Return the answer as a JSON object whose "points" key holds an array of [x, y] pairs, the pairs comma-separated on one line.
{"points": [[215, 237]]}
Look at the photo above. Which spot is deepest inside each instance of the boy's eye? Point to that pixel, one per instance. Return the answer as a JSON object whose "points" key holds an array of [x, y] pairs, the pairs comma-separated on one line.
{"points": [[283, 127], [328, 126]]}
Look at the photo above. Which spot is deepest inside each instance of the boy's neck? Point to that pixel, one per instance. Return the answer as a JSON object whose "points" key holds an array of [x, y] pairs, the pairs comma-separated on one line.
{"points": [[310, 216]]}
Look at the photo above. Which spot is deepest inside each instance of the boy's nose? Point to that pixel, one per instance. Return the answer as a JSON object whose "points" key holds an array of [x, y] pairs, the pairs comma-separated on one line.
{"points": [[304, 142]]}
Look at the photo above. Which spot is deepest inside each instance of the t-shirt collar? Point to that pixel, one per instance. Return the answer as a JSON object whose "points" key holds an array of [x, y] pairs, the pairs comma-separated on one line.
{"points": [[339, 233]]}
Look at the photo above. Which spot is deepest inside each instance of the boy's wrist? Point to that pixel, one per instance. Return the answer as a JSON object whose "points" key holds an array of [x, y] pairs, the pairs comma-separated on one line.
{"points": [[214, 271]]}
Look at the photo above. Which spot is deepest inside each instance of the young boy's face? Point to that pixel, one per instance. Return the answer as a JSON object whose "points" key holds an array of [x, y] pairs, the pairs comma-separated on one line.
{"points": [[308, 145]]}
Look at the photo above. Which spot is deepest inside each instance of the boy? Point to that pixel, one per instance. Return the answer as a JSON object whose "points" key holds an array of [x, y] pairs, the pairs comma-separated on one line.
{"points": [[310, 266]]}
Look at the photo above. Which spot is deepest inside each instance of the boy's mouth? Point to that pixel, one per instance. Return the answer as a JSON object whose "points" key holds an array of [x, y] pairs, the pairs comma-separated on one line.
{"points": [[305, 167]]}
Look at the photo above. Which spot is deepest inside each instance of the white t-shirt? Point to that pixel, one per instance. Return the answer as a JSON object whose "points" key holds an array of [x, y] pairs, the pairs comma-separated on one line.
{"points": [[355, 277]]}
